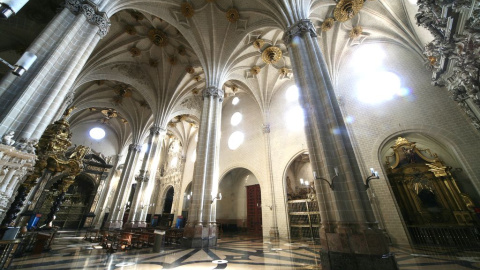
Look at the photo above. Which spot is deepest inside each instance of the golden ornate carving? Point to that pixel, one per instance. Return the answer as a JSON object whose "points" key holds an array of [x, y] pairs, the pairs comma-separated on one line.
{"points": [[327, 24], [197, 78], [255, 70], [425, 189], [432, 59], [355, 32], [232, 15], [271, 55], [347, 9], [283, 71], [135, 51], [153, 62], [129, 29], [437, 168], [190, 70], [110, 113], [181, 50], [68, 111], [158, 37], [172, 60], [258, 44], [187, 10], [400, 141], [195, 91]]}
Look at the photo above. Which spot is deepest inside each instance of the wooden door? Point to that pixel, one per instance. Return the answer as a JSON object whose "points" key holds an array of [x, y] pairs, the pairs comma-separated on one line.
{"points": [[254, 210]]}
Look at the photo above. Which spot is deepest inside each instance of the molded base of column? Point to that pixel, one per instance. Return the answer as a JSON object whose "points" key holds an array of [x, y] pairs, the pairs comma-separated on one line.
{"points": [[346, 249], [199, 236], [274, 234], [116, 224], [136, 224]]}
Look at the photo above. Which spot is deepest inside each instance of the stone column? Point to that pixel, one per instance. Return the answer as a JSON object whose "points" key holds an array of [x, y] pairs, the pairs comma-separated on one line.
{"points": [[274, 234], [7, 179], [117, 209], [201, 228], [349, 235], [146, 179], [99, 210], [29, 103]]}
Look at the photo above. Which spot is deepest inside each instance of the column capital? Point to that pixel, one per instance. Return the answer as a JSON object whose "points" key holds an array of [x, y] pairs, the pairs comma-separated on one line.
{"points": [[155, 129], [135, 147], [91, 12], [266, 128], [213, 91], [300, 28]]}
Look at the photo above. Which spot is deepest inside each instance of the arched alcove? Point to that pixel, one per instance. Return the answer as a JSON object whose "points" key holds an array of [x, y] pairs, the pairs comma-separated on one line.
{"points": [[78, 201], [302, 204], [240, 209], [435, 199]]}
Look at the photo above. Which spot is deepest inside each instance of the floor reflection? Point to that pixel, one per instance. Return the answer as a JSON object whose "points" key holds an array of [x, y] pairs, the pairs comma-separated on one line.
{"points": [[70, 251]]}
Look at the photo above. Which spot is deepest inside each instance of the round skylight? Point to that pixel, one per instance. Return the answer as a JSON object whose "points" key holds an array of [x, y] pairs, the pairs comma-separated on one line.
{"points": [[97, 133], [235, 140], [378, 87], [236, 119], [235, 100], [292, 93]]}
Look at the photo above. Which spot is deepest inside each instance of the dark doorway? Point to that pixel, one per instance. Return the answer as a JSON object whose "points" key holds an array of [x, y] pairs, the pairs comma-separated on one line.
{"points": [[167, 206], [254, 210]]}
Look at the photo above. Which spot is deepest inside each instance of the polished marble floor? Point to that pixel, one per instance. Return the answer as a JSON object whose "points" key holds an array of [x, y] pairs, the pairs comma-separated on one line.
{"points": [[70, 251]]}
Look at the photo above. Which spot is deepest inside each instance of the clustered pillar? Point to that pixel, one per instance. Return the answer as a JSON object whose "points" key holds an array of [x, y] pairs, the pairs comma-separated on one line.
{"points": [[201, 228], [349, 235], [146, 179], [119, 202]]}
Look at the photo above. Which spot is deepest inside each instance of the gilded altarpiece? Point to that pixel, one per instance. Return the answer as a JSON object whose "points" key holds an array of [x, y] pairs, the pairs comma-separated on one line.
{"points": [[434, 208]]}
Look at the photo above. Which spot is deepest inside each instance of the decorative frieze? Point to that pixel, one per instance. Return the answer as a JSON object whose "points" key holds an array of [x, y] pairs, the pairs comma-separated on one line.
{"points": [[91, 12], [300, 28]]}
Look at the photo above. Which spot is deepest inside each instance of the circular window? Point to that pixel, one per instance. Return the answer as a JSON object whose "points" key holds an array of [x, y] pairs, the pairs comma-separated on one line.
{"points": [[235, 100], [97, 133], [236, 119], [235, 140]]}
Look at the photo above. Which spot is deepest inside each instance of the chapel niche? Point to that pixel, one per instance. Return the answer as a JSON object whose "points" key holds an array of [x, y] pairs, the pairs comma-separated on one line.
{"points": [[434, 208]]}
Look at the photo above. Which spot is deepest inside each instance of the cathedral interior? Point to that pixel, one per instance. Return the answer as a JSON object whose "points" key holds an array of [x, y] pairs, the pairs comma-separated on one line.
{"points": [[218, 134]]}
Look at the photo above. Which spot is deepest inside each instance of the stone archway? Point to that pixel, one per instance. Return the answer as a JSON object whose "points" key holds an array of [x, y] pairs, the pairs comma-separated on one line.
{"points": [[240, 209], [302, 205], [433, 203]]}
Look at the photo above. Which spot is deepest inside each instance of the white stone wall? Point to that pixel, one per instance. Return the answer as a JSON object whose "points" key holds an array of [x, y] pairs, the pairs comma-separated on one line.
{"points": [[426, 110]]}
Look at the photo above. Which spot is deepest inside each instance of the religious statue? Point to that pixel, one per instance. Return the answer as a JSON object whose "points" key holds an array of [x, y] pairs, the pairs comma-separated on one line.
{"points": [[7, 139], [30, 148]]}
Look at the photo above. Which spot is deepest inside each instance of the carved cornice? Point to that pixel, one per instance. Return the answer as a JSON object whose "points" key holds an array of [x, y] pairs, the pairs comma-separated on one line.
{"points": [[91, 12], [454, 54], [300, 28], [135, 147], [213, 91]]}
